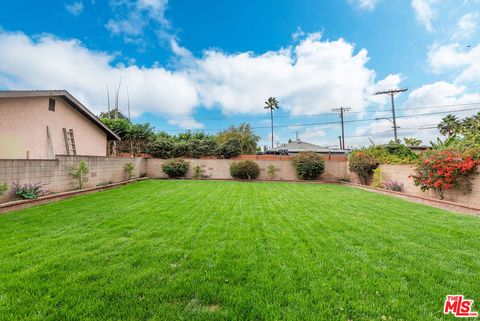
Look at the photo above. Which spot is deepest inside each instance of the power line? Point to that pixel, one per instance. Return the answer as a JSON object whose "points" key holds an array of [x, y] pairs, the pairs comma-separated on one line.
{"points": [[336, 122], [328, 114]]}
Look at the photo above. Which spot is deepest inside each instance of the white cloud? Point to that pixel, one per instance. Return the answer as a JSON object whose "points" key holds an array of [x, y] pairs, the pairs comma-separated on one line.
{"points": [[466, 25], [132, 17], [425, 12], [453, 57], [309, 77], [51, 63], [75, 8], [186, 123], [313, 134], [365, 4]]}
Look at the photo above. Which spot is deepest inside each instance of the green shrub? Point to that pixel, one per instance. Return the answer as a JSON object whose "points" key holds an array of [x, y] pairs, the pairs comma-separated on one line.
{"points": [[28, 191], [362, 165], [377, 178], [79, 173], [3, 188], [197, 172], [309, 165], [390, 154], [230, 148], [181, 149], [175, 167], [203, 147], [271, 171], [245, 169], [129, 167], [161, 148]]}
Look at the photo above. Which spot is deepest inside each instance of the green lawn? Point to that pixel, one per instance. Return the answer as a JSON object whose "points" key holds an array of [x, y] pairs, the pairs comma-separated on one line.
{"points": [[210, 250]]}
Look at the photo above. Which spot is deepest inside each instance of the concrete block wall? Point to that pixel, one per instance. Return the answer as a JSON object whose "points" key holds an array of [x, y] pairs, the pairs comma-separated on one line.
{"points": [[220, 168], [55, 173], [401, 173]]}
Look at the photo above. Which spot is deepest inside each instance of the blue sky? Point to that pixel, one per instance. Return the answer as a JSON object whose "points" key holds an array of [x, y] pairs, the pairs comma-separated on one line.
{"points": [[206, 65]]}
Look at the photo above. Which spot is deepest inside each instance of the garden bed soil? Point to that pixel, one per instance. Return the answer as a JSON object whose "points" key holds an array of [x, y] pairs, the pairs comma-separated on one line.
{"points": [[20, 204]]}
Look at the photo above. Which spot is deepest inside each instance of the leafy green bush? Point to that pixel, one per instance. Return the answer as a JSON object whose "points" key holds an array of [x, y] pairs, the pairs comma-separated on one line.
{"points": [[28, 191], [362, 165], [202, 147], [390, 154], [161, 148], [3, 188], [231, 148], [245, 169], [309, 165], [79, 173], [181, 149], [175, 167]]}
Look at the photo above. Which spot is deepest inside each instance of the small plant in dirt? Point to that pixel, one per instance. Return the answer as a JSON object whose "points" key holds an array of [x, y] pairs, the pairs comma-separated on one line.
{"points": [[271, 171], [442, 170], [245, 169], [28, 191], [309, 165], [3, 188], [362, 165], [104, 183], [129, 168], [197, 172], [175, 167], [377, 178], [393, 185], [79, 173]]}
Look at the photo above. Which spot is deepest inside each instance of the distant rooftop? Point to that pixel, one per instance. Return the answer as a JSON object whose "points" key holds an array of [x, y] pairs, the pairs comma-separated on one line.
{"points": [[298, 146]]}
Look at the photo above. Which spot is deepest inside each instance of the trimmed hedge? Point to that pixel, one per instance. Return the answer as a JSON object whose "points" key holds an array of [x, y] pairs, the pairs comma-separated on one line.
{"points": [[245, 169], [175, 167], [309, 165]]}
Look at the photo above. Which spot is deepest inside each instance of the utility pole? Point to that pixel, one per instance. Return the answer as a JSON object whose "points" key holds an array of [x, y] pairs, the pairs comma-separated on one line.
{"points": [[339, 142], [392, 93], [342, 110]]}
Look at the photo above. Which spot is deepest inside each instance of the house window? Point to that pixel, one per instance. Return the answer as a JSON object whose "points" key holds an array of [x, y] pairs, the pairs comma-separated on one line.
{"points": [[51, 104]]}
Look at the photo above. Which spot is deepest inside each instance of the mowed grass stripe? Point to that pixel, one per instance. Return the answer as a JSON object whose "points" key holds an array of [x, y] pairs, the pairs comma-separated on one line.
{"points": [[211, 250]]}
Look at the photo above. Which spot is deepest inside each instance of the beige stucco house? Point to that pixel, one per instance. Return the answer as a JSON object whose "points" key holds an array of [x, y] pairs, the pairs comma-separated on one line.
{"points": [[39, 124]]}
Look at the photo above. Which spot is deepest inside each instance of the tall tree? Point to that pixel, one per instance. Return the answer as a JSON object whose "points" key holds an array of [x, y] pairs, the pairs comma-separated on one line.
{"points": [[449, 125], [271, 103], [244, 135]]}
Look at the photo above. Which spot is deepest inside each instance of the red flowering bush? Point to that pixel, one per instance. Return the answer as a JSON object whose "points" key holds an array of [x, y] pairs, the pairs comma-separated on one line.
{"points": [[444, 169], [362, 165]]}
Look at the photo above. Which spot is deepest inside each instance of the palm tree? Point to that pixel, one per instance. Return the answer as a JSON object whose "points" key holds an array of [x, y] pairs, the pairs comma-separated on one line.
{"points": [[449, 125], [271, 103]]}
